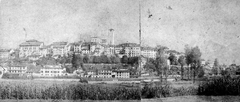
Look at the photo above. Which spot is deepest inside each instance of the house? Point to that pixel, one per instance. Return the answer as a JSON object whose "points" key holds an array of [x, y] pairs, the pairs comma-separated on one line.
{"points": [[130, 49], [52, 71], [105, 73], [45, 50], [17, 68], [121, 73], [59, 48], [30, 47], [148, 52]]}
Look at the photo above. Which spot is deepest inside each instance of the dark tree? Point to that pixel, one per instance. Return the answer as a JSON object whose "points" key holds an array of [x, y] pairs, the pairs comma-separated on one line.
{"points": [[96, 59], [161, 61], [193, 58], [86, 59], [182, 62], [77, 61], [173, 59], [124, 59], [133, 61], [104, 59]]}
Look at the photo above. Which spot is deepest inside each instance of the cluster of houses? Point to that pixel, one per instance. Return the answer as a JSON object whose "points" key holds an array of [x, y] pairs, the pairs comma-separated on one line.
{"points": [[94, 71], [33, 50]]}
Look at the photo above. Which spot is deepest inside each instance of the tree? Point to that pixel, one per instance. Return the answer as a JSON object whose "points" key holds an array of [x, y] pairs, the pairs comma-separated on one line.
{"points": [[161, 61], [133, 61], [200, 72], [216, 66], [173, 59], [193, 58], [77, 61], [182, 62], [150, 65], [96, 59], [124, 59], [86, 59], [104, 59]]}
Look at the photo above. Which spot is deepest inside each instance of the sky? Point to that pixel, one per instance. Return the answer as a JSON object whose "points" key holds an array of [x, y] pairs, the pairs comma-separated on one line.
{"points": [[213, 25]]}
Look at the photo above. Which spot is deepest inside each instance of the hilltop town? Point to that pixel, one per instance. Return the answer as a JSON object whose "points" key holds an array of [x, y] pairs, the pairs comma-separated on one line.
{"points": [[94, 58]]}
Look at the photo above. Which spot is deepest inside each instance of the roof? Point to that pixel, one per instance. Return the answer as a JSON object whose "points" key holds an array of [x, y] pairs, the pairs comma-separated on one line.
{"points": [[17, 65], [128, 45], [77, 43], [121, 70], [31, 43], [52, 67], [89, 43], [147, 48]]}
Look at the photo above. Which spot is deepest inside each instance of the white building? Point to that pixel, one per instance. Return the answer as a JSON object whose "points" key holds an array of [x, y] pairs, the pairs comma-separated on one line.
{"points": [[130, 49], [30, 47], [121, 74], [17, 69], [59, 48], [148, 52], [52, 71]]}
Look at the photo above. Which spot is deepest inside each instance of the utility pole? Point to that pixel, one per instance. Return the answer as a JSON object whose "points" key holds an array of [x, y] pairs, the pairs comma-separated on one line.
{"points": [[140, 31]]}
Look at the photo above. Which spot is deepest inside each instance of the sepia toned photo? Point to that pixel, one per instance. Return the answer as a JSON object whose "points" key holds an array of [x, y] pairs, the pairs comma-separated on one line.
{"points": [[119, 50]]}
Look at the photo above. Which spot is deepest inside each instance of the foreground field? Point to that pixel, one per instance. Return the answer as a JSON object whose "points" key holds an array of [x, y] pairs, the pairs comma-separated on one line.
{"points": [[67, 91]]}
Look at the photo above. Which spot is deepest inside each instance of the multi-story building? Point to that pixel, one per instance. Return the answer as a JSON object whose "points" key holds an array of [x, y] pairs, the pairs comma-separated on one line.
{"points": [[121, 74], [130, 49], [77, 47], [52, 71], [30, 47], [96, 40], [148, 52], [92, 48], [59, 48], [17, 69], [109, 50], [45, 50], [4, 53]]}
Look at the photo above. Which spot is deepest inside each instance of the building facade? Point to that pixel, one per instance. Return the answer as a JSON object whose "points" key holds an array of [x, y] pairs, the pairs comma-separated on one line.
{"points": [[17, 69], [30, 47], [129, 49], [52, 71], [59, 48], [148, 52]]}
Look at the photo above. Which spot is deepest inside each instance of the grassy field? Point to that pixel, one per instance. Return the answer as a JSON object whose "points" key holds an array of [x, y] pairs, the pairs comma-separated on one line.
{"points": [[45, 90]]}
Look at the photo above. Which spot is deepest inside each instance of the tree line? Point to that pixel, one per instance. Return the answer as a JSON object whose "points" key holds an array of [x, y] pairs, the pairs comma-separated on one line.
{"points": [[191, 58]]}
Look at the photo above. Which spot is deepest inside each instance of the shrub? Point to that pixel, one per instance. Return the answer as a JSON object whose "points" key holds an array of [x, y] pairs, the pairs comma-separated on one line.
{"points": [[220, 86]]}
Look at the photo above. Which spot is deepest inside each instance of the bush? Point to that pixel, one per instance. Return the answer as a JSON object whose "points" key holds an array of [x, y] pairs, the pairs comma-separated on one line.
{"points": [[158, 91], [220, 86], [6, 75], [83, 80]]}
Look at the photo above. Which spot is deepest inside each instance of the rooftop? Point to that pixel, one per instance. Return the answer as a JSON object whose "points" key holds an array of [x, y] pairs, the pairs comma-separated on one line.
{"points": [[128, 45], [31, 43]]}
